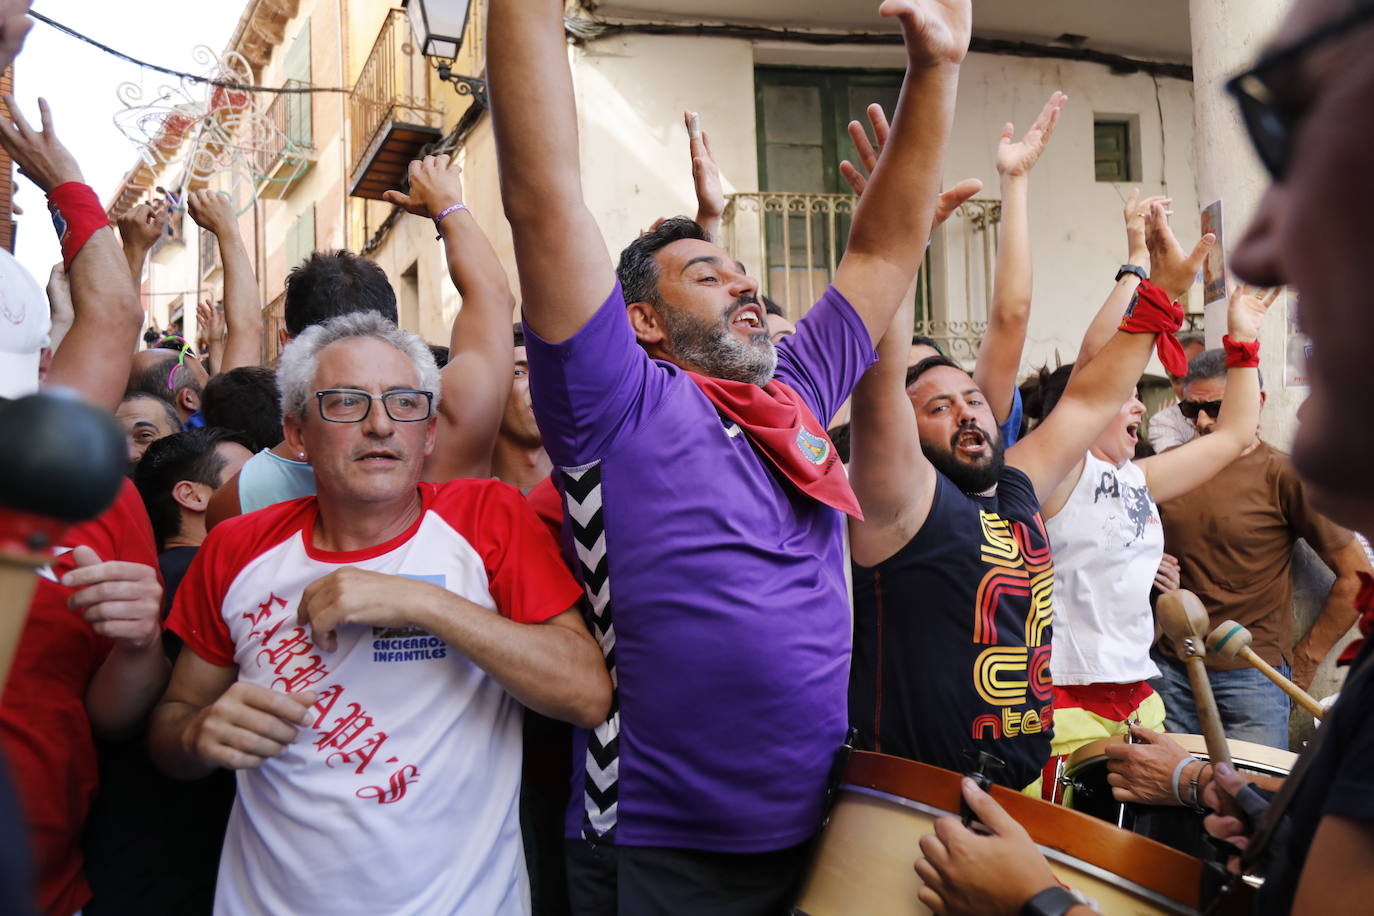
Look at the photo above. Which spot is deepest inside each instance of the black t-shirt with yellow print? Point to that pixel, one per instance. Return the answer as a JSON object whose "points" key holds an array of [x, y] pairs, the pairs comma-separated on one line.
{"points": [[952, 636]]}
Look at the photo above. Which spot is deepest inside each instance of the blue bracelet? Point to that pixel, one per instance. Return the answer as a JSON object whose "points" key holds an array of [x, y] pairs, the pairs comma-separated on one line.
{"points": [[445, 212]]}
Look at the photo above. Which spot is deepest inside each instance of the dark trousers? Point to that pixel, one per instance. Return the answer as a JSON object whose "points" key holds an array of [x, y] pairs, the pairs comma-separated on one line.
{"points": [[605, 880]]}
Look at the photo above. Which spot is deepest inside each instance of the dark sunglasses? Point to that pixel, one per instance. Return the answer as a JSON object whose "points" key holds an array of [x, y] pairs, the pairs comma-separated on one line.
{"points": [[1271, 122], [1191, 409]]}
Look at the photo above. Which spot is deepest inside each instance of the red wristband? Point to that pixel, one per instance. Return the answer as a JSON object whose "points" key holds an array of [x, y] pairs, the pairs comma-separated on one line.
{"points": [[1151, 312], [76, 215], [1241, 355]]}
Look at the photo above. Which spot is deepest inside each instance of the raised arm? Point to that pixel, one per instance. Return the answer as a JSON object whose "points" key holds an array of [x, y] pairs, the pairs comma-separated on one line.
{"points": [[476, 381], [705, 177], [1105, 322], [892, 221], [999, 354], [1181, 469], [210, 325], [891, 476], [107, 318], [1096, 392], [565, 269], [244, 329], [139, 230]]}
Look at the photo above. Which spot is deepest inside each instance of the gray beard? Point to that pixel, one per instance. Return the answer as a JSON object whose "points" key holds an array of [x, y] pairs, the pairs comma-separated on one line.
{"points": [[713, 348]]}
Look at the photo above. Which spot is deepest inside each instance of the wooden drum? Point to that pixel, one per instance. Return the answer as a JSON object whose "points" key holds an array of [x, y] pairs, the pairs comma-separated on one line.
{"points": [[863, 862]]}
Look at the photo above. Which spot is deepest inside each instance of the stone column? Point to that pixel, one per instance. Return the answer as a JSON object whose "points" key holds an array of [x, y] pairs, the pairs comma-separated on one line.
{"points": [[1227, 36]]}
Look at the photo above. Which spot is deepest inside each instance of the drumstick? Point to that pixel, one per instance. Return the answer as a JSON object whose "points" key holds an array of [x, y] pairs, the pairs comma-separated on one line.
{"points": [[1185, 620], [1231, 640]]}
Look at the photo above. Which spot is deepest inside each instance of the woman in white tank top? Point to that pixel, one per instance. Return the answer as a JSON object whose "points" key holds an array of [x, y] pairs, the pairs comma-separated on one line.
{"points": [[1108, 545]]}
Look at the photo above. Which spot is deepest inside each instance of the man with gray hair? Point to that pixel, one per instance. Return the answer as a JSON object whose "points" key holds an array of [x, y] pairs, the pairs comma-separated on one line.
{"points": [[370, 647], [1234, 538]]}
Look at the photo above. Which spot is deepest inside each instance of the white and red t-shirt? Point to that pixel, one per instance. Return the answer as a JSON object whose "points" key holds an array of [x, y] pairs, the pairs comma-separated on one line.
{"points": [[401, 794]]}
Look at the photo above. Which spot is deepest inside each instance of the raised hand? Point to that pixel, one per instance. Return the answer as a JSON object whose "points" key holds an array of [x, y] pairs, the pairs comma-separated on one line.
{"points": [[1171, 268], [868, 155], [14, 25], [38, 153], [1246, 310], [142, 225], [980, 874], [865, 149], [212, 211], [435, 185], [705, 175], [1016, 158], [935, 31], [210, 320], [248, 724], [1134, 214], [120, 600]]}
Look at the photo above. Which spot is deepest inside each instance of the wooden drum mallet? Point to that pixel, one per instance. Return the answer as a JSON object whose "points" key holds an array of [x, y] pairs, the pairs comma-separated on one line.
{"points": [[1231, 640], [1185, 621]]}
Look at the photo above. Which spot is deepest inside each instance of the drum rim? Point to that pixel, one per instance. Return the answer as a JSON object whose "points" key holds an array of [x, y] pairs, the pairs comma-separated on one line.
{"points": [[1050, 852], [1136, 859], [1245, 754]]}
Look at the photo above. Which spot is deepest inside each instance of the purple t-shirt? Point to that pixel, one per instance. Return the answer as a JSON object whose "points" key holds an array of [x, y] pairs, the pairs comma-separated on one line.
{"points": [[717, 591]]}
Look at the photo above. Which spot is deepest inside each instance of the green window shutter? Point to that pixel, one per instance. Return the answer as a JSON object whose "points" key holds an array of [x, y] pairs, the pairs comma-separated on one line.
{"points": [[297, 73]]}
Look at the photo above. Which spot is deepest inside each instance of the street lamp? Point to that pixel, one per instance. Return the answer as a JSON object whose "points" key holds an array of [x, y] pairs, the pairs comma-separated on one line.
{"points": [[439, 26]]}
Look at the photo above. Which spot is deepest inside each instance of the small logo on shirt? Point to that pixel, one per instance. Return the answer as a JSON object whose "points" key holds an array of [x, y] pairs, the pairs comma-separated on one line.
{"points": [[814, 449]]}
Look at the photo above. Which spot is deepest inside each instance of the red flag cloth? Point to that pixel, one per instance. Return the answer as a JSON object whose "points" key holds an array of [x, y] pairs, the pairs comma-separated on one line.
{"points": [[1240, 355], [1151, 312], [781, 426], [1364, 603], [76, 215]]}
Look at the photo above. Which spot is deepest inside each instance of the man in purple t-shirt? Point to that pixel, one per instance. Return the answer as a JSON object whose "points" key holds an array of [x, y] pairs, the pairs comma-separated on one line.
{"points": [[716, 584]]}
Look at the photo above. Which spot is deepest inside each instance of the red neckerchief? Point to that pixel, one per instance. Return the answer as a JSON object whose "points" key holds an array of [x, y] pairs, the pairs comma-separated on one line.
{"points": [[784, 429], [1364, 603], [1151, 312]]}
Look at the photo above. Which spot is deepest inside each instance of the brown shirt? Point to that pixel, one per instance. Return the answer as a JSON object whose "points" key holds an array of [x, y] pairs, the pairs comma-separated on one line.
{"points": [[1234, 537]]}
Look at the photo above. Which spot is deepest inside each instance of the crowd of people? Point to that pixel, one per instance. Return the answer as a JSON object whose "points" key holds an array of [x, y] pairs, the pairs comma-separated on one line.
{"points": [[580, 615]]}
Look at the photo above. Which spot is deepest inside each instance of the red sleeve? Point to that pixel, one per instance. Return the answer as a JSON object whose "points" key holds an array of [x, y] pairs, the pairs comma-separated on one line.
{"points": [[548, 505], [525, 573]]}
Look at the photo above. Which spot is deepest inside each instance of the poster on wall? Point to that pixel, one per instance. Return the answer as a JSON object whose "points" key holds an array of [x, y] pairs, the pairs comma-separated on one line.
{"points": [[1214, 268], [1298, 347]]}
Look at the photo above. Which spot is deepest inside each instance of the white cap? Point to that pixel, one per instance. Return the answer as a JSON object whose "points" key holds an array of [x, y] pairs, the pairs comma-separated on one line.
{"points": [[25, 321]]}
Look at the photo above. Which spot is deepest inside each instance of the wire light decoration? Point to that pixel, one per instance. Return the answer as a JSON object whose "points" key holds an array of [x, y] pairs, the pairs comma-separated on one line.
{"points": [[219, 136]]}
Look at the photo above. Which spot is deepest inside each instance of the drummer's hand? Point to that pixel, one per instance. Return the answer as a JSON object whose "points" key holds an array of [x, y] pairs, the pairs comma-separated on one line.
{"points": [[1141, 772], [1231, 829], [980, 874]]}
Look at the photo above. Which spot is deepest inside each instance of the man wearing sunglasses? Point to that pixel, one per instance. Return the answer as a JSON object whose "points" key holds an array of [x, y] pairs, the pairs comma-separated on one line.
{"points": [[1234, 540], [360, 655]]}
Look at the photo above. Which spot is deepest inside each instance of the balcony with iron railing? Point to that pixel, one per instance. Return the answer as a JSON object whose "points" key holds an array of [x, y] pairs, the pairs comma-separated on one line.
{"points": [[392, 113], [796, 241], [287, 150]]}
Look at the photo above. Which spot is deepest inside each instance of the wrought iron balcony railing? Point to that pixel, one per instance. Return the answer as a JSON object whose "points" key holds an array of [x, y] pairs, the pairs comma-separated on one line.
{"points": [[795, 241], [392, 112]]}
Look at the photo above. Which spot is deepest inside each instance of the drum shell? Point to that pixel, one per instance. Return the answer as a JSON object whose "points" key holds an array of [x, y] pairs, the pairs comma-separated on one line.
{"points": [[864, 856]]}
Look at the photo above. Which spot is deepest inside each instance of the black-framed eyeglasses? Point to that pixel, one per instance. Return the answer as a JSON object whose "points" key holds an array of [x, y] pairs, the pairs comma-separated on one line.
{"points": [[352, 405], [1191, 409], [1272, 123]]}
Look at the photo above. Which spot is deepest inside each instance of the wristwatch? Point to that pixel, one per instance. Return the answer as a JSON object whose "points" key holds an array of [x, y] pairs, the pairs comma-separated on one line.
{"points": [[1131, 269], [1052, 901]]}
